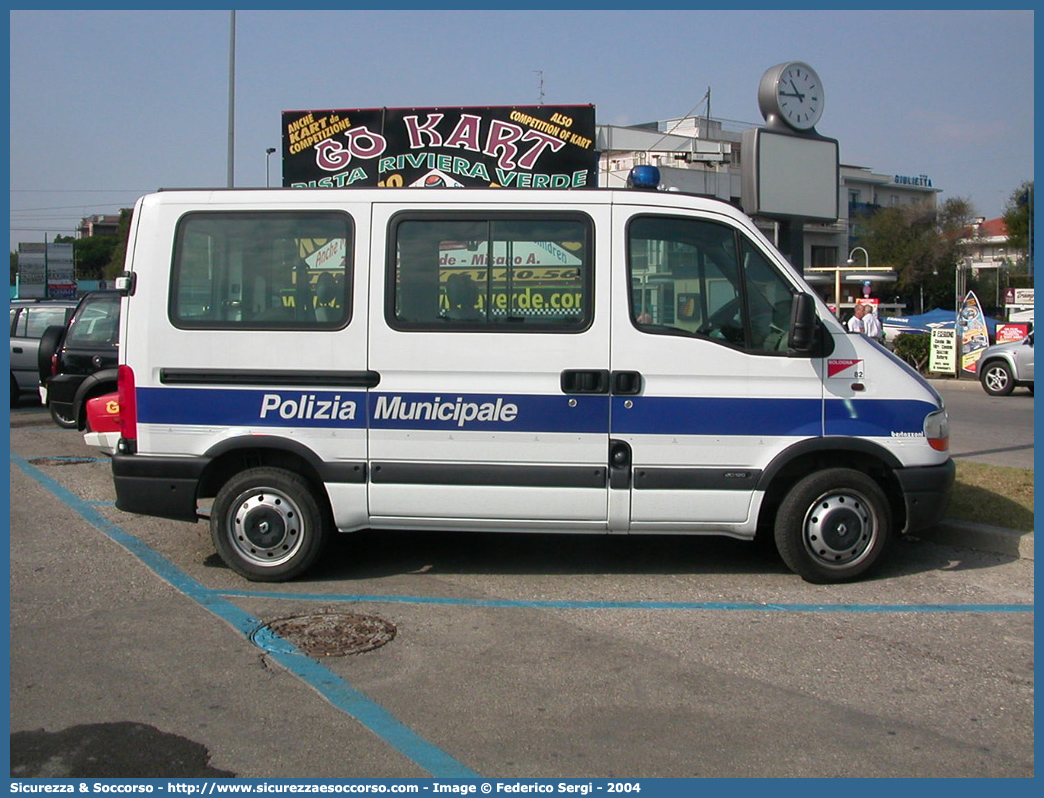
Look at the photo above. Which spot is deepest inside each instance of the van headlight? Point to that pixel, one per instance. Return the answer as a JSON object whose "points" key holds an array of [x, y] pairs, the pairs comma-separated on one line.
{"points": [[937, 430]]}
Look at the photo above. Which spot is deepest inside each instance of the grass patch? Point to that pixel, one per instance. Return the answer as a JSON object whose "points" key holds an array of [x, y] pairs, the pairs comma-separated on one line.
{"points": [[994, 495]]}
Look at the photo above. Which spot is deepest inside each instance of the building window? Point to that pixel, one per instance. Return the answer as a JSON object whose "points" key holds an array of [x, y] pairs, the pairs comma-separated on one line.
{"points": [[824, 257]]}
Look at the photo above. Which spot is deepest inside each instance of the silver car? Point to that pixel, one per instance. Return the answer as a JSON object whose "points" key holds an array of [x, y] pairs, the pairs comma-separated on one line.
{"points": [[29, 320], [1002, 367]]}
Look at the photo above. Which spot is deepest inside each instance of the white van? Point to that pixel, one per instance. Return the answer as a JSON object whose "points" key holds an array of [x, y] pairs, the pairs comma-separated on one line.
{"points": [[299, 362]]}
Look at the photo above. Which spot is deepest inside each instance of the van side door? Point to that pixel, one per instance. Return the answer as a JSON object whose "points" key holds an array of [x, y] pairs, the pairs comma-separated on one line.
{"points": [[489, 331]]}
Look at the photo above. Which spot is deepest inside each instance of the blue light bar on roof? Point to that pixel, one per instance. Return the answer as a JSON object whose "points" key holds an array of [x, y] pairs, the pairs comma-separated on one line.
{"points": [[644, 176]]}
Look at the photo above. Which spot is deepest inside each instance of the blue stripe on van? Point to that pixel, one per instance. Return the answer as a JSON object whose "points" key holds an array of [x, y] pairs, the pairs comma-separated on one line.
{"points": [[533, 413], [239, 408], [767, 416], [348, 410], [717, 416], [870, 417]]}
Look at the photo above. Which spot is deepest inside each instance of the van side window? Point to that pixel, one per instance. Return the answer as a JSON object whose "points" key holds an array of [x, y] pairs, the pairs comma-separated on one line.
{"points": [[503, 272], [262, 270], [707, 280]]}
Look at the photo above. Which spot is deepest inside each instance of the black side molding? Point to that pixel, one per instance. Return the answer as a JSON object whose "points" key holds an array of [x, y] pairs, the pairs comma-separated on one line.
{"points": [[314, 379]]}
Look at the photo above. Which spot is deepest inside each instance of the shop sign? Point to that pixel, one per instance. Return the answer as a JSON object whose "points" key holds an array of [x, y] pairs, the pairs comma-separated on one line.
{"points": [[1011, 332], [542, 146], [942, 356]]}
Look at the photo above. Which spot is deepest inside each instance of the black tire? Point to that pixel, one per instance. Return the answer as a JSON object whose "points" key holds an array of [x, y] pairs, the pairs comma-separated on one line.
{"points": [[833, 525], [63, 419], [16, 393], [49, 342], [997, 379], [268, 525]]}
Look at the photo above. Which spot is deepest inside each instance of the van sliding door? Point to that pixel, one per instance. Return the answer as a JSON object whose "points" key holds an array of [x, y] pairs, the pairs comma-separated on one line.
{"points": [[489, 338]]}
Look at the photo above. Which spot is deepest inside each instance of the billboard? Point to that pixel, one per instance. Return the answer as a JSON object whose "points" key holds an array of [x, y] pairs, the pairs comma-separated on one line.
{"points": [[543, 146], [790, 177], [46, 270], [974, 337]]}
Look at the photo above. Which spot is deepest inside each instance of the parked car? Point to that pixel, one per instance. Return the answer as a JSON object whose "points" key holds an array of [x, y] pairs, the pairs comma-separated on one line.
{"points": [[29, 319], [83, 364], [103, 422], [1005, 366]]}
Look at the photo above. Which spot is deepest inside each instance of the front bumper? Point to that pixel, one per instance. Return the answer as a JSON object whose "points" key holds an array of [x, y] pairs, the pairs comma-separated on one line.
{"points": [[926, 492]]}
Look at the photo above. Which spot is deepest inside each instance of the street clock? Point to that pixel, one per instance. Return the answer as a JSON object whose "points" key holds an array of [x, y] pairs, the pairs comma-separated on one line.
{"points": [[791, 93]]}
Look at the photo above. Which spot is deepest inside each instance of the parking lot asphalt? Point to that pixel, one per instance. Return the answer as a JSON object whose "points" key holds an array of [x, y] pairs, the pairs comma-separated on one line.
{"points": [[134, 651]]}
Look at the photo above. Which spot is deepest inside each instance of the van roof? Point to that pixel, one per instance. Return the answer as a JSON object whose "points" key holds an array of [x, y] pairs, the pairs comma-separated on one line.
{"points": [[525, 196]]}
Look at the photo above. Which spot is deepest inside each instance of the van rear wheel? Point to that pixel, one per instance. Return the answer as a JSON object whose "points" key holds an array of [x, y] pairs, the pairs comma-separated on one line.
{"points": [[833, 525], [268, 525]]}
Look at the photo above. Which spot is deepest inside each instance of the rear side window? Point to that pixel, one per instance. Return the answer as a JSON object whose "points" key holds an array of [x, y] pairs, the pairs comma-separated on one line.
{"points": [[96, 323], [517, 273], [31, 321], [264, 270]]}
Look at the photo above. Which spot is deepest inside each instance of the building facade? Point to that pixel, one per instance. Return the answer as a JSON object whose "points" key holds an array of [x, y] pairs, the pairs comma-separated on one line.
{"points": [[703, 155], [98, 225]]}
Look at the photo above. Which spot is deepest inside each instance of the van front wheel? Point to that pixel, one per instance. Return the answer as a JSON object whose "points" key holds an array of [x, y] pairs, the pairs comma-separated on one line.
{"points": [[833, 525], [267, 524]]}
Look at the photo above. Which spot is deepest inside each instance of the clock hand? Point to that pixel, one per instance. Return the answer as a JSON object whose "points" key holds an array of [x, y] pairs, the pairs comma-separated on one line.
{"points": [[796, 92]]}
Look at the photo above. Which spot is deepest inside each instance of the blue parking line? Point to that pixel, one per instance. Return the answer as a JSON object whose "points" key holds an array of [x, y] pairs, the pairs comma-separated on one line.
{"points": [[342, 695], [629, 605]]}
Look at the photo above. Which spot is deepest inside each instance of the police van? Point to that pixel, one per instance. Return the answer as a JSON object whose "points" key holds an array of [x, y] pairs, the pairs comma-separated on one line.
{"points": [[297, 362]]}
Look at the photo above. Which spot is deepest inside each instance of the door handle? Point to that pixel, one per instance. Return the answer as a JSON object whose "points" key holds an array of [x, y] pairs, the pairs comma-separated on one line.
{"points": [[627, 383], [585, 381]]}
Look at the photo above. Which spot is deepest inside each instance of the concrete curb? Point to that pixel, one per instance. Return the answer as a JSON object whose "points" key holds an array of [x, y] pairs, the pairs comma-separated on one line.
{"points": [[994, 539]]}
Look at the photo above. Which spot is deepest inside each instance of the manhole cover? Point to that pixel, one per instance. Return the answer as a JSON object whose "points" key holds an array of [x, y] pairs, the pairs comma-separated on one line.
{"points": [[324, 634]]}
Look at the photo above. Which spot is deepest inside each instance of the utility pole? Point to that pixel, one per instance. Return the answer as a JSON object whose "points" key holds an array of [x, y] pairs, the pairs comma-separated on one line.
{"points": [[232, 100]]}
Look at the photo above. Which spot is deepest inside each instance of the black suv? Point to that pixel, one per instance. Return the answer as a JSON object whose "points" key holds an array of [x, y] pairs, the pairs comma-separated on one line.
{"points": [[84, 360]]}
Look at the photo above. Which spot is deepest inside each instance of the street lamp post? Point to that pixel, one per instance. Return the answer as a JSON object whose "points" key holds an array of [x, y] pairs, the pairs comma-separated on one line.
{"points": [[268, 160], [865, 255], [886, 271]]}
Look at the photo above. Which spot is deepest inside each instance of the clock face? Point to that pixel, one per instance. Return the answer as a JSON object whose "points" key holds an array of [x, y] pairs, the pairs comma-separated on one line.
{"points": [[793, 92]]}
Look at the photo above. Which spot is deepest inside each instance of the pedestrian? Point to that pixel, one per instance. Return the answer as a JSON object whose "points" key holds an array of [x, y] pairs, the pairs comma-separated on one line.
{"points": [[855, 324], [872, 324]]}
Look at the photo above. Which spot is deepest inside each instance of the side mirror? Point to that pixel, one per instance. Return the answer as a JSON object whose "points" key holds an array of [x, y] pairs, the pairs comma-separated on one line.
{"points": [[125, 283], [802, 323]]}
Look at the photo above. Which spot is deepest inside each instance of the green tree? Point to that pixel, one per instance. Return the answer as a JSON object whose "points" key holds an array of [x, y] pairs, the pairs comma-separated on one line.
{"points": [[93, 255], [114, 268], [1018, 218], [923, 244]]}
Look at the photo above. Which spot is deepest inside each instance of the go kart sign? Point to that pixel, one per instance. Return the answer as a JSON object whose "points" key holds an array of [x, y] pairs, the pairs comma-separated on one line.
{"points": [[540, 146]]}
